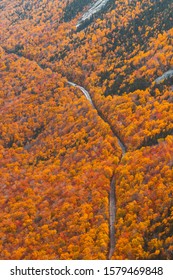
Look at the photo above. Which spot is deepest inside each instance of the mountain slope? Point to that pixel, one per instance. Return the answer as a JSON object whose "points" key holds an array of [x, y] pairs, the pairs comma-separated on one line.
{"points": [[61, 159]]}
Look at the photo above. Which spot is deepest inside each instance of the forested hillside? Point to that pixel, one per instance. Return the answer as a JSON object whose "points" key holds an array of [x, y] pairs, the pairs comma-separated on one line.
{"points": [[86, 129]]}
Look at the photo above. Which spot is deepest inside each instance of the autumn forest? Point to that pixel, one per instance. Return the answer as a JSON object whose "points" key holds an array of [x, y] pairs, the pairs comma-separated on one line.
{"points": [[86, 129]]}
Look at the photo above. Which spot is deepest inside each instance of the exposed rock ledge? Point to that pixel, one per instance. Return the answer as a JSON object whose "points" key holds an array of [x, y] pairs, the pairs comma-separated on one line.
{"points": [[98, 5], [166, 75]]}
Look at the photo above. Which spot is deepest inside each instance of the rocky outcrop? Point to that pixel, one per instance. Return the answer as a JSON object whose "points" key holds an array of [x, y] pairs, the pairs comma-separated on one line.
{"points": [[95, 8], [165, 76]]}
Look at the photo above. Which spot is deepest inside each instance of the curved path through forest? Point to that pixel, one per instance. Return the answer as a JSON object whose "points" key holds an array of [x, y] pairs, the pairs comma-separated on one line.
{"points": [[112, 193]]}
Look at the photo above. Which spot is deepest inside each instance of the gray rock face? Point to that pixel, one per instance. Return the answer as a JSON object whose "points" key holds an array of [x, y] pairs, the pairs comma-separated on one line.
{"points": [[165, 76], [97, 6]]}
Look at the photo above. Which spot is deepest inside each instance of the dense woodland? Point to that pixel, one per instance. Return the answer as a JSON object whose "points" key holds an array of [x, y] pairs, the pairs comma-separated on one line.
{"points": [[58, 154]]}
